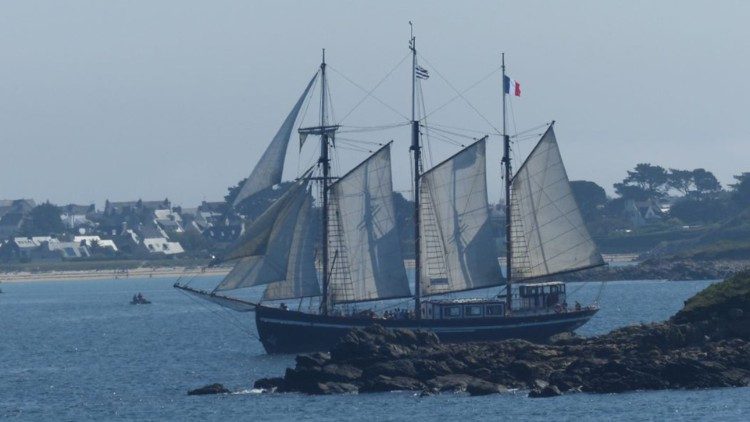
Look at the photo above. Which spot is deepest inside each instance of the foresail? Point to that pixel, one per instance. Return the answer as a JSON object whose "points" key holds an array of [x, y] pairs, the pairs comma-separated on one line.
{"points": [[269, 169], [263, 252], [456, 240], [256, 237], [301, 275], [548, 234], [366, 259]]}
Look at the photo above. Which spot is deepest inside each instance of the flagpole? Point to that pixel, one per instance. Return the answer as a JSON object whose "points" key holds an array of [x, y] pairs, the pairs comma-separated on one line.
{"points": [[417, 159], [506, 162]]}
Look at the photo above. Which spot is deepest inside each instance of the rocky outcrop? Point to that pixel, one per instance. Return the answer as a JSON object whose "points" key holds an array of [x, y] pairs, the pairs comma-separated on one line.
{"points": [[661, 269], [703, 346], [209, 389]]}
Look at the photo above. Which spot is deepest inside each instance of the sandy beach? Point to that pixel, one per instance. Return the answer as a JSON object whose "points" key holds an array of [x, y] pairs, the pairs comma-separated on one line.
{"points": [[145, 272]]}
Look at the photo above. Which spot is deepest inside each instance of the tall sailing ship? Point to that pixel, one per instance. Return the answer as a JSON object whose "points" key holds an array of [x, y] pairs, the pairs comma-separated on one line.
{"points": [[343, 248]]}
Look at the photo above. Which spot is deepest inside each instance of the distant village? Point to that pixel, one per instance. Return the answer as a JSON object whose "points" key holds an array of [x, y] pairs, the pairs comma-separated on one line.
{"points": [[652, 205], [138, 229]]}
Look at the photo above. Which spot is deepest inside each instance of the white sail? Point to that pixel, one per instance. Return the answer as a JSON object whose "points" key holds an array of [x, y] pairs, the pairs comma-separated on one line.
{"points": [[366, 259], [548, 234], [457, 244], [301, 275], [255, 240], [271, 165], [264, 251]]}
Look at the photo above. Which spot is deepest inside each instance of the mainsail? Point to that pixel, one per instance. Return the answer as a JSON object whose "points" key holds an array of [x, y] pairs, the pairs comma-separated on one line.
{"points": [[548, 233], [366, 259], [271, 165], [457, 244]]}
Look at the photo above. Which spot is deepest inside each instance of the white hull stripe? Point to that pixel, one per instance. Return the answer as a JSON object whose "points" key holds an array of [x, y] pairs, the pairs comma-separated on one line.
{"points": [[435, 329]]}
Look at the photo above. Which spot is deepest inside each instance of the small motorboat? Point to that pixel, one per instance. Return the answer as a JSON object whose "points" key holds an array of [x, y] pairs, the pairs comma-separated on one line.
{"points": [[139, 300]]}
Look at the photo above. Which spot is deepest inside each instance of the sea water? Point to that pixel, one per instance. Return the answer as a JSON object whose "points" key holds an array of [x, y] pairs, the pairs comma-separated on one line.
{"points": [[77, 350]]}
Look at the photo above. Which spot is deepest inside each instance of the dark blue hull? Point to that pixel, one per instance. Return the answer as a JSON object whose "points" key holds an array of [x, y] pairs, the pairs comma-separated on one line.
{"points": [[283, 331]]}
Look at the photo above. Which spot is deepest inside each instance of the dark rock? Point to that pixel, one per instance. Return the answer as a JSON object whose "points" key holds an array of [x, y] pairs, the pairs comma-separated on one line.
{"points": [[705, 345], [209, 389], [483, 388], [382, 383], [303, 380], [336, 388], [312, 360], [269, 384], [548, 391], [340, 372], [452, 382], [427, 369], [392, 368]]}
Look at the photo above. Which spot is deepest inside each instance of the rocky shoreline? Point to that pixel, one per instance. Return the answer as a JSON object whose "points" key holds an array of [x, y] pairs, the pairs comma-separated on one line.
{"points": [[705, 345], [662, 269]]}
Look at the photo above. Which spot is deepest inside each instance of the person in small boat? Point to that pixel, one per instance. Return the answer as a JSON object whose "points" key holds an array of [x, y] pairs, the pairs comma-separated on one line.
{"points": [[283, 307], [578, 306]]}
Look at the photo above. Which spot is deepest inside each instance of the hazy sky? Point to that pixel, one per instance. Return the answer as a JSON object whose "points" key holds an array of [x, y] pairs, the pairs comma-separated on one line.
{"points": [[153, 99]]}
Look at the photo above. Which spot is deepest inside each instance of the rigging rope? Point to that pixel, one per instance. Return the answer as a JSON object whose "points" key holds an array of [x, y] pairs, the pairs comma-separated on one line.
{"points": [[460, 95], [370, 92], [234, 320], [472, 86], [372, 95]]}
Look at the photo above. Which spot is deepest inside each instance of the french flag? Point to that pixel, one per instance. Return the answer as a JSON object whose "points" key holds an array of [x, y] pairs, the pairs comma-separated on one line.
{"points": [[512, 87]]}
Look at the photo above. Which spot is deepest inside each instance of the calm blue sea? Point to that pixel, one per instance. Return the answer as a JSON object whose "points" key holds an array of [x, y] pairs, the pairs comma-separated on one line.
{"points": [[73, 351]]}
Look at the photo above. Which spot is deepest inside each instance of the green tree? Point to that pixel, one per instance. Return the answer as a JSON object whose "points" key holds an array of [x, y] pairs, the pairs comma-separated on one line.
{"points": [[590, 198], [681, 181], [741, 189], [44, 220], [707, 186], [631, 192], [646, 180]]}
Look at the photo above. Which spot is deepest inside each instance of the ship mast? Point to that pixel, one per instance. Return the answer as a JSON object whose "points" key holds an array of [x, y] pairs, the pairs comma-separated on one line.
{"points": [[326, 133], [506, 163], [416, 149], [326, 163]]}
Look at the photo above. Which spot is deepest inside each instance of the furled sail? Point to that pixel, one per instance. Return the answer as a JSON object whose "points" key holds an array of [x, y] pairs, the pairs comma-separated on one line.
{"points": [[271, 165], [457, 244], [280, 258], [366, 259], [548, 234]]}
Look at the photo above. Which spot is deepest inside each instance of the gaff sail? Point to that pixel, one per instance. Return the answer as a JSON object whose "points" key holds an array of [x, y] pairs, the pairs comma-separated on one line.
{"points": [[457, 245], [548, 233], [366, 259]]}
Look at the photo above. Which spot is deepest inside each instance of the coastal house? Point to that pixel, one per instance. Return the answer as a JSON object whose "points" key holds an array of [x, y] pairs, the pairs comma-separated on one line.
{"points": [[70, 250], [160, 245], [169, 221], [139, 207], [641, 213], [76, 216], [96, 241], [33, 248]]}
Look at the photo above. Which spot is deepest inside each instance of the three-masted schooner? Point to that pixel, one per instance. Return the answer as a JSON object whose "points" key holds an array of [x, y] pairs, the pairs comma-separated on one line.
{"points": [[353, 225]]}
